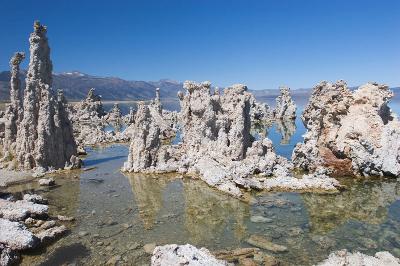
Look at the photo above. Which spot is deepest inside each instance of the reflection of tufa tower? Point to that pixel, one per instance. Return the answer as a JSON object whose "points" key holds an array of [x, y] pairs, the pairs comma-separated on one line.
{"points": [[148, 195]]}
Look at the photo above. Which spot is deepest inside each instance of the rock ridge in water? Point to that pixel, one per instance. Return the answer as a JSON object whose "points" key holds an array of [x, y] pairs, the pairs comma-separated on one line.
{"points": [[216, 145], [353, 133]]}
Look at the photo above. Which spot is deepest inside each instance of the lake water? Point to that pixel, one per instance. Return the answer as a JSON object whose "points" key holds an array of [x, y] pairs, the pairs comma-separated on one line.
{"points": [[116, 214]]}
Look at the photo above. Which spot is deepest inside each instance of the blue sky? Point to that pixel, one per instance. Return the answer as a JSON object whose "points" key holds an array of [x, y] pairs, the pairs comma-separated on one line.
{"points": [[263, 44]]}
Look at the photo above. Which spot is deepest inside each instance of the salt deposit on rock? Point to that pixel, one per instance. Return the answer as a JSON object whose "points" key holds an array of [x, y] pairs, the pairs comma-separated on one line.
{"points": [[285, 107], [216, 144], [44, 134], [25, 224], [183, 255], [353, 133], [343, 257], [16, 236]]}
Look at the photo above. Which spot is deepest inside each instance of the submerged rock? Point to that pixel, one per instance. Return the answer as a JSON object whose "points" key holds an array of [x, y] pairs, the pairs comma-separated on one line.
{"points": [[262, 242], [352, 133], [343, 257], [46, 182], [183, 255]]}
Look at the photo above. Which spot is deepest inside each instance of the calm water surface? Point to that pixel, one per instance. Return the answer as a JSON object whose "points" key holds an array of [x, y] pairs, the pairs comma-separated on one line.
{"points": [[117, 214]]}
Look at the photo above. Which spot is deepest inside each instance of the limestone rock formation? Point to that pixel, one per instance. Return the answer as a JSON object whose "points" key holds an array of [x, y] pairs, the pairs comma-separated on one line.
{"points": [[13, 114], [216, 144], [260, 112], [25, 225], [145, 142], [343, 257], [130, 117], [89, 109], [285, 107], [183, 255], [114, 115], [44, 134], [353, 133]]}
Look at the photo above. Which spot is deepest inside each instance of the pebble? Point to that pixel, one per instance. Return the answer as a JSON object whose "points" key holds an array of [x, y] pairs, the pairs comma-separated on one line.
{"points": [[148, 248], [83, 233], [260, 219]]}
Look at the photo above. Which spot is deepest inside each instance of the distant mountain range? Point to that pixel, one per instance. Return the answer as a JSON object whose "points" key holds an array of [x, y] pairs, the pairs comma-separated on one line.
{"points": [[76, 85]]}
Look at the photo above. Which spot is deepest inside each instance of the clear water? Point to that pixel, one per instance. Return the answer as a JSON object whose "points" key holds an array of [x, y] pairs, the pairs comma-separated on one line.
{"points": [[116, 214]]}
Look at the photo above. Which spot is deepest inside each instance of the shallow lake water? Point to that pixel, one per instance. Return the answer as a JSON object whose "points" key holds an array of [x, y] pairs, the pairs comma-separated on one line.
{"points": [[116, 214]]}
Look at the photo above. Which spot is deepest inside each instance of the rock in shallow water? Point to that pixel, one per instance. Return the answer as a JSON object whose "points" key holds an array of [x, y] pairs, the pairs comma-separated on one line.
{"points": [[343, 257], [262, 242], [16, 236], [169, 255]]}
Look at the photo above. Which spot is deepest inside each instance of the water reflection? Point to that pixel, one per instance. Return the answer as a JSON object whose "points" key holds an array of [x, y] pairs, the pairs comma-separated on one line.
{"points": [[148, 193], [287, 128], [211, 216], [365, 202]]}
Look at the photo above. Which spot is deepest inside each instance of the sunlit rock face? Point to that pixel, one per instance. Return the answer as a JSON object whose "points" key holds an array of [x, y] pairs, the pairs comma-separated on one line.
{"points": [[285, 106], [216, 144], [145, 144], [114, 115], [44, 138], [89, 109], [353, 133], [260, 113], [13, 114]]}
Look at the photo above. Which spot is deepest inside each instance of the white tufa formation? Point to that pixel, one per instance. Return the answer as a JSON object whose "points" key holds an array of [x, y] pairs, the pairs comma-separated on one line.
{"points": [[13, 114], [89, 109], [145, 142], [216, 145], [343, 257], [285, 107], [353, 133], [44, 136], [184, 255], [114, 115]]}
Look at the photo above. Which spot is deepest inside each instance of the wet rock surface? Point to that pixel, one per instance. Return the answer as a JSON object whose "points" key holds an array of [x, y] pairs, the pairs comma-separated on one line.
{"points": [[344, 257], [183, 255]]}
